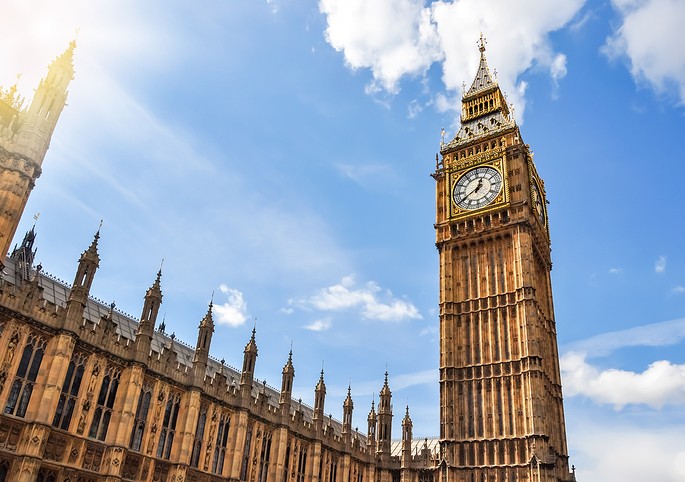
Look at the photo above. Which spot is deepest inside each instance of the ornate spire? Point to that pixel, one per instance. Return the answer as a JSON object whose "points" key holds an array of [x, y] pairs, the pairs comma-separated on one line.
{"points": [[348, 400], [66, 58], [386, 389], [407, 418], [156, 289], [288, 367], [92, 252], [208, 320], [251, 346], [321, 384], [483, 80], [372, 412]]}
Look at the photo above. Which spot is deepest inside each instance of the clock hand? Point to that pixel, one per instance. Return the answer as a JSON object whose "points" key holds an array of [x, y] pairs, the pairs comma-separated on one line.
{"points": [[480, 184]]}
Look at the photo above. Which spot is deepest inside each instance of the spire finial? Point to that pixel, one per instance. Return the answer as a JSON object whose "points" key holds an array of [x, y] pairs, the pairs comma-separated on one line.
{"points": [[481, 43]]}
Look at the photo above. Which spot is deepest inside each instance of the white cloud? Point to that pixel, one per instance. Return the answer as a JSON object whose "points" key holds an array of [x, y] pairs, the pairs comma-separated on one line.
{"points": [[615, 270], [606, 451], [370, 300], [651, 37], [234, 311], [679, 290], [391, 37], [660, 265], [662, 383], [396, 38], [319, 325], [557, 69]]}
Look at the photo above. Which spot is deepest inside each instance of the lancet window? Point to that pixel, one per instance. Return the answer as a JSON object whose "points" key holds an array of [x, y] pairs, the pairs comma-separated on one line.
{"points": [[221, 443], [22, 387], [166, 436], [140, 421], [105, 405], [70, 389]]}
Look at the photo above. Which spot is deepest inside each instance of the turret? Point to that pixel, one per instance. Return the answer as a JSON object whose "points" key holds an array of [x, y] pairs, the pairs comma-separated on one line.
{"points": [[39, 121], [287, 385], [24, 255], [148, 318], [348, 406], [372, 420], [385, 419], [249, 359], [80, 288], [319, 401], [204, 341], [406, 439], [24, 140]]}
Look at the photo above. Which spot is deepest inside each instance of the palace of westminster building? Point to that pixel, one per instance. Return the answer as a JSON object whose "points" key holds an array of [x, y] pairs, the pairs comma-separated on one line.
{"points": [[89, 394]]}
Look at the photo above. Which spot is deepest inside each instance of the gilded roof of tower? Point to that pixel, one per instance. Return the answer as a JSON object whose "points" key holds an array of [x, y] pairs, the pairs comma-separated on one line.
{"points": [[483, 80], [487, 125]]}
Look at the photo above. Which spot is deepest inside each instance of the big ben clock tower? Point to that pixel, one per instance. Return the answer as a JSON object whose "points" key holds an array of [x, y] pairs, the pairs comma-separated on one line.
{"points": [[501, 409]]}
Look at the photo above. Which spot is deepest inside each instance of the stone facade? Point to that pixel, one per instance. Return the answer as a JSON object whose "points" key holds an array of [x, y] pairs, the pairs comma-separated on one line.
{"points": [[501, 404], [90, 394]]}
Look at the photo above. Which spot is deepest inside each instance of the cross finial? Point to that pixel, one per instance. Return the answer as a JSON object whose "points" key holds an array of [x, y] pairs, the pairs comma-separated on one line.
{"points": [[481, 43], [494, 72], [442, 136]]}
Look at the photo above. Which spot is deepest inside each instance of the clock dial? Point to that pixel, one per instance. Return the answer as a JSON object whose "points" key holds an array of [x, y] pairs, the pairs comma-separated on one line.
{"points": [[538, 201], [477, 188]]}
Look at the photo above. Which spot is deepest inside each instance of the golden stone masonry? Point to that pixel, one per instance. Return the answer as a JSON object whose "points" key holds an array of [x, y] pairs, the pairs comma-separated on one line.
{"points": [[89, 394]]}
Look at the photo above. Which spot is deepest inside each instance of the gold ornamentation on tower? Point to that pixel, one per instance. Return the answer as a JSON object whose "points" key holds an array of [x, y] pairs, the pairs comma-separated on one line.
{"points": [[501, 411]]}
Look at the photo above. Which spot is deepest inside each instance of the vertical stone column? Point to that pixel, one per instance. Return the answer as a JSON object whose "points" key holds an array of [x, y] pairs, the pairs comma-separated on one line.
{"points": [[236, 435], [314, 463], [344, 471], [121, 424], [185, 429], [50, 379], [279, 442]]}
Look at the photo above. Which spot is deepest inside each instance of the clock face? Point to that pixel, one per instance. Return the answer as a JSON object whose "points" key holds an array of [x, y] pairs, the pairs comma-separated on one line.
{"points": [[477, 188], [538, 202]]}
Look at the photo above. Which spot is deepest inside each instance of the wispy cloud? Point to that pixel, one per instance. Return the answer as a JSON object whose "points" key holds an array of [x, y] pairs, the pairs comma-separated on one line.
{"points": [[615, 270], [679, 290], [414, 109], [660, 264], [665, 333]]}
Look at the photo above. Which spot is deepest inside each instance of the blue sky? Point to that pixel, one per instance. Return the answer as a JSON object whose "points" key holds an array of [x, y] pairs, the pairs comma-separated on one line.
{"points": [[278, 153]]}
